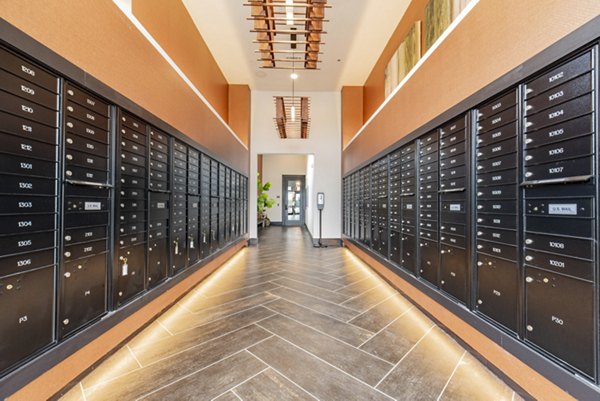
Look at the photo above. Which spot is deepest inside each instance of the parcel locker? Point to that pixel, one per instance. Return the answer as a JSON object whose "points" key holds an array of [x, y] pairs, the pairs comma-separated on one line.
{"points": [[193, 244], [559, 230], [27, 314], [158, 237], [179, 207], [129, 268], [428, 206], [559, 317], [214, 224], [82, 292], [129, 265], [29, 118], [204, 227], [497, 290], [497, 210]]}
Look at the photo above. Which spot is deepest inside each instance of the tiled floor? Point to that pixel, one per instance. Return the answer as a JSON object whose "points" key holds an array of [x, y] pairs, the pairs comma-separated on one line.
{"points": [[285, 321]]}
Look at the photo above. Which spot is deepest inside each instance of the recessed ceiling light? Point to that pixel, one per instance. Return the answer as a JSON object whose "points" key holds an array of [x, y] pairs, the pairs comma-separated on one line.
{"points": [[293, 75]]}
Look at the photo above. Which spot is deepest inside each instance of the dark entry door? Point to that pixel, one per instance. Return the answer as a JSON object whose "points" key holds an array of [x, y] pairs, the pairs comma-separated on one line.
{"points": [[293, 200]]}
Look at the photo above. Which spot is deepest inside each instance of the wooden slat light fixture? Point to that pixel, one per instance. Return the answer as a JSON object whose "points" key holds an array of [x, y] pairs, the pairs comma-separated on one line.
{"points": [[283, 26], [292, 116]]}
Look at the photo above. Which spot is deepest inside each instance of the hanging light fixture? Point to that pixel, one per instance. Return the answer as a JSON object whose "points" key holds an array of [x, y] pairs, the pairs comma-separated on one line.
{"points": [[293, 108]]}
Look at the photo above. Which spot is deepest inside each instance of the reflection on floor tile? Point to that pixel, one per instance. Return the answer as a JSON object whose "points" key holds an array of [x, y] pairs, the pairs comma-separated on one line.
{"points": [[286, 321], [270, 385]]}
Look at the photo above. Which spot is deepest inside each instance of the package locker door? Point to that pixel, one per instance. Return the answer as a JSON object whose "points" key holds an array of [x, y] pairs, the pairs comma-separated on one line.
{"points": [[497, 210], [204, 205], [559, 230], [395, 205], [86, 210], [214, 224], [193, 204], [454, 206], [159, 207], [28, 208], [179, 217], [221, 206], [428, 208], [129, 267]]}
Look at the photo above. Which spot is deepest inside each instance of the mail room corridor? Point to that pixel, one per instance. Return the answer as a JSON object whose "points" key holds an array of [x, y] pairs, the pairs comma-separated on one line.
{"points": [[286, 321]]}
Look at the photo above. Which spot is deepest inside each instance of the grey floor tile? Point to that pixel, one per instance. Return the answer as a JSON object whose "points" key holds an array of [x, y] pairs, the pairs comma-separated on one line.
{"points": [[425, 370], [472, 381], [318, 378], [351, 360], [350, 278], [316, 304], [178, 323], [239, 293], [368, 299], [398, 338], [310, 289], [359, 287], [343, 331], [211, 381], [228, 396], [152, 377], [309, 279], [270, 385], [382, 314], [151, 352]]}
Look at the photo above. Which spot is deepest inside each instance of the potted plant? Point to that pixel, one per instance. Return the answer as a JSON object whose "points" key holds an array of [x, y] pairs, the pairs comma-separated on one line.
{"points": [[263, 202]]}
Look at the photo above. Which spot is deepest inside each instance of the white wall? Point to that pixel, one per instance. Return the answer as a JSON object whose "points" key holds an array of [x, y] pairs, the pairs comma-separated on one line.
{"points": [[324, 142], [274, 167], [311, 195]]}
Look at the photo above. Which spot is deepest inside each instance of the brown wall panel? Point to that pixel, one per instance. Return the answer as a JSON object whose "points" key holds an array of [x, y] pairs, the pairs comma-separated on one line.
{"points": [[68, 370], [493, 39], [530, 380], [239, 111], [98, 38], [170, 24], [352, 112]]}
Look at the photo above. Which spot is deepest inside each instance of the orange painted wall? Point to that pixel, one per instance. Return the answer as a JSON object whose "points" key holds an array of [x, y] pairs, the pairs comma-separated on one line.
{"points": [[494, 38], [98, 38], [352, 112], [239, 111], [170, 24]]}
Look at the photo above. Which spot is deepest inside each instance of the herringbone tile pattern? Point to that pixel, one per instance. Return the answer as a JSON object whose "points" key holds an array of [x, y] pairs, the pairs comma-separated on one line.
{"points": [[286, 321]]}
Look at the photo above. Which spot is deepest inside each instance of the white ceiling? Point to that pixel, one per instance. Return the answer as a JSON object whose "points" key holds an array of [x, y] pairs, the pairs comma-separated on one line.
{"points": [[356, 35]]}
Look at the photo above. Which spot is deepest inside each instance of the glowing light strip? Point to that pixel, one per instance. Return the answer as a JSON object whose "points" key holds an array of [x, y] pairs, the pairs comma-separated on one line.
{"points": [[125, 7], [422, 60]]}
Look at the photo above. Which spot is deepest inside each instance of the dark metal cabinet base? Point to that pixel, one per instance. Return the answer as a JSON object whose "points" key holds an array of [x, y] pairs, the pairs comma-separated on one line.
{"points": [[453, 272], [128, 274], [559, 317], [27, 315], [497, 290], [158, 262], [82, 293]]}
